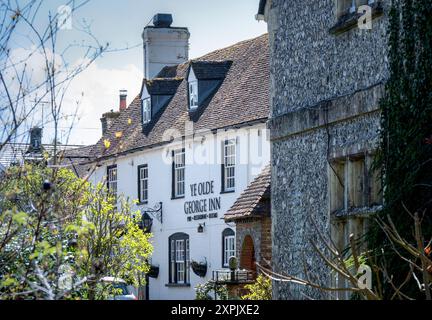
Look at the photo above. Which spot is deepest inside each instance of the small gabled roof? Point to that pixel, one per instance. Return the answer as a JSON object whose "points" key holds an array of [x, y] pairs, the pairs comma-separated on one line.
{"points": [[254, 201], [162, 86], [210, 70]]}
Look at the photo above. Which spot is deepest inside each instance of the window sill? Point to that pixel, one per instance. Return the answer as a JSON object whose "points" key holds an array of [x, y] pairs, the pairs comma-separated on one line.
{"points": [[227, 191], [349, 21], [176, 198], [177, 285], [142, 203], [357, 211]]}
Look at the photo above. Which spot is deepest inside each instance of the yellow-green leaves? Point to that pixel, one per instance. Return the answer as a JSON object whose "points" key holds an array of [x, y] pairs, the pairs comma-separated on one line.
{"points": [[8, 281], [43, 248], [20, 218], [107, 143], [76, 223], [261, 289]]}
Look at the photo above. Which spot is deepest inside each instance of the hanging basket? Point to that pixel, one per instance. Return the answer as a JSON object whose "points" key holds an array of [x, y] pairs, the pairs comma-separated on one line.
{"points": [[153, 272], [199, 268]]}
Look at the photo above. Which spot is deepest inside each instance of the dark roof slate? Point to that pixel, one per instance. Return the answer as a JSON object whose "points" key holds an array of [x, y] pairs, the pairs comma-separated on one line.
{"points": [[254, 201], [160, 86], [80, 152], [209, 70]]}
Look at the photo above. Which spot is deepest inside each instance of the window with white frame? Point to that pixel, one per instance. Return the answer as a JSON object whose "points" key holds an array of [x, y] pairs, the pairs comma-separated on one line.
{"points": [[112, 179], [179, 263], [178, 173], [193, 94], [228, 246], [228, 166], [146, 110], [143, 183]]}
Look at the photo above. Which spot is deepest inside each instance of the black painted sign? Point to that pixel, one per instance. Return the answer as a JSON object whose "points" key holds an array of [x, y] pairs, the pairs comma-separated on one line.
{"points": [[201, 209]]}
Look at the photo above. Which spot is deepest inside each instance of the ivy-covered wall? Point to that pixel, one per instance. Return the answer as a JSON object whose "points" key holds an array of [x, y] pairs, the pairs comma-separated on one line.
{"points": [[406, 146]]}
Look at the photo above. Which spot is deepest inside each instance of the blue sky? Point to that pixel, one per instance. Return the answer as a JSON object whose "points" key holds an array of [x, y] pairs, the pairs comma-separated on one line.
{"points": [[212, 24]]}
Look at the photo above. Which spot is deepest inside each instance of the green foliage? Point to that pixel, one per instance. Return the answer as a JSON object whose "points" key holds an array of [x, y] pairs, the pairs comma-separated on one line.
{"points": [[58, 241], [210, 289], [405, 157], [261, 289]]}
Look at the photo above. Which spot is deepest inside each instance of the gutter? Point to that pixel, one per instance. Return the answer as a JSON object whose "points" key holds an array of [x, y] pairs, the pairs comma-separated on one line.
{"points": [[159, 144]]}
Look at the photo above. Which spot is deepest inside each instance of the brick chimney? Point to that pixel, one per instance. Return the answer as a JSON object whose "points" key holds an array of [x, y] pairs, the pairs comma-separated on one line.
{"points": [[164, 45], [123, 97], [107, 120]]}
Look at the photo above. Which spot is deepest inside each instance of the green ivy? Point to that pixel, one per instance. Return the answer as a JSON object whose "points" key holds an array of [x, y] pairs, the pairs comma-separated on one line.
{"points": [[405, 156]]}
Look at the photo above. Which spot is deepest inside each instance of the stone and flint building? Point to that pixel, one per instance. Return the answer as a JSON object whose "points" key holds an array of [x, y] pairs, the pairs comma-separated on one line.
{"points": [[192, 144], [327, 77]]}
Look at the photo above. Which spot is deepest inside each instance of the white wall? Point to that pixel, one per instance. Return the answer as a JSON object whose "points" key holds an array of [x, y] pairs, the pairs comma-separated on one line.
{"points": [[253, 153]]}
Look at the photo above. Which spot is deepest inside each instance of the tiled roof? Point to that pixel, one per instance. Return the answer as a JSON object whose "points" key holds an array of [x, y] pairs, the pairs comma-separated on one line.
{"points": [[73, 158], [254, 201], [16, 153], [243, 97], [81, 152]]}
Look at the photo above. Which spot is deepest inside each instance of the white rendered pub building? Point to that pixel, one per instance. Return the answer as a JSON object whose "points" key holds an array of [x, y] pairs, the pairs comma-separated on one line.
{"points": [[187, 147]]}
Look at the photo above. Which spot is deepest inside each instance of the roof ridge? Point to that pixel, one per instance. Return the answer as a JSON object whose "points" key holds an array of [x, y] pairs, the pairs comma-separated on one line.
{"points": [[252, 40]]}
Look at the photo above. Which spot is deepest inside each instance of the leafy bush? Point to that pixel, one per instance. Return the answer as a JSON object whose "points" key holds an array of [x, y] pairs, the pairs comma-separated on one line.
{"points": [[260, 290], [59, 235], [208, 290]]}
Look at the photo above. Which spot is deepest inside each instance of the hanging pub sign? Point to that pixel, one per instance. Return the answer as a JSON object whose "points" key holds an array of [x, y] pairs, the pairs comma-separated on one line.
{"points": [[205, 208]]}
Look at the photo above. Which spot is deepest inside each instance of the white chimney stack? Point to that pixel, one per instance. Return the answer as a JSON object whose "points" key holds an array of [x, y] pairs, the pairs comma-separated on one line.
{"points": [[164, 45]]}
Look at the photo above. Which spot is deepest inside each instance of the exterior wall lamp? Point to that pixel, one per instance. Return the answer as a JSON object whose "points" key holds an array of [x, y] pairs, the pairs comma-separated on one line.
{"points": [[201, 228], [146, 222], [148, 215]]}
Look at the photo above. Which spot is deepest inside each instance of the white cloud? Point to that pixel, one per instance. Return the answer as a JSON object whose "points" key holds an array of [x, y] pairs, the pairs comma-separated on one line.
{"points": [[97, 89]]}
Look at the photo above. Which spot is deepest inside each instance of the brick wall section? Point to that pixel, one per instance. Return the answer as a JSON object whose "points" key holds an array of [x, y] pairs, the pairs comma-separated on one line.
{"points": [[266, 242], [259, 230]]}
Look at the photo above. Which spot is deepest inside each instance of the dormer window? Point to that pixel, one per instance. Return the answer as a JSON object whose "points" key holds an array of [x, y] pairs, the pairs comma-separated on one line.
{"points": [[156, 94], [204, 78], [146, 110], [193, 94], [193, 89]]}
